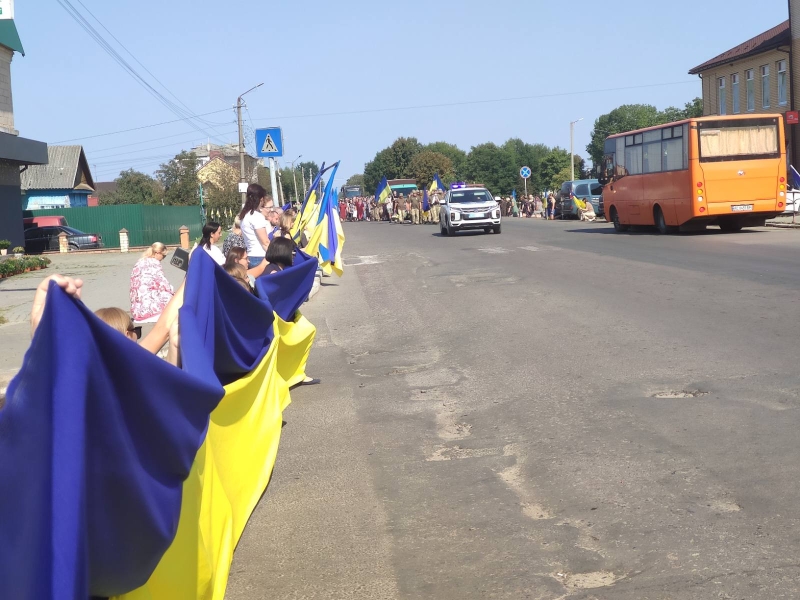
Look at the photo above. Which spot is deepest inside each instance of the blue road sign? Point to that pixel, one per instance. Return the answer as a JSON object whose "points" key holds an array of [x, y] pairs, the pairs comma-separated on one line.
{"points": [[525, 172], [269, 142]]}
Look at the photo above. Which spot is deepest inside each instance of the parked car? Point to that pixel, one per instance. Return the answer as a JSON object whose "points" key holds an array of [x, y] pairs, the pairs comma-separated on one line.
{"points": [[48, 221], [583, 189], [43, 239]]}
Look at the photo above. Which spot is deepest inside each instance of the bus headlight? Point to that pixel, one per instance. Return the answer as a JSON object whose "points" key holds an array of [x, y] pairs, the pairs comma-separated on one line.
{"points": [[781, 194], [699, 198]]}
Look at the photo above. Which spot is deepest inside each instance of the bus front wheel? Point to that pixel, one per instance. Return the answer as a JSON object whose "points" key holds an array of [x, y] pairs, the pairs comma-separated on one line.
{"points": [[618, 227]]}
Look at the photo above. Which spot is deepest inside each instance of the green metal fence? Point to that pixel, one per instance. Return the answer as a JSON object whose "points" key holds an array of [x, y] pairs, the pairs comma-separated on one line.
{"points": [[146, 224]]}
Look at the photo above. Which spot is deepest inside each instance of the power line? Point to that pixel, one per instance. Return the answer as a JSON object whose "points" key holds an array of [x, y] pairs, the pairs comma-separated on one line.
{"points": [[158, 139], [470, 102], [192, 141], [94, 34], [140, 63], [90, 137]]}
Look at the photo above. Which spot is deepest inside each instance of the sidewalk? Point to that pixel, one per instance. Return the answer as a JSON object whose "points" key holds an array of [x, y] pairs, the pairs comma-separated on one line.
{"points": [[106, 283], [784, 222]]}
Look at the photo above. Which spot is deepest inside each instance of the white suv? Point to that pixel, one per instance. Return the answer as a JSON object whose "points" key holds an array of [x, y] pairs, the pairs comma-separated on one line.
{"points": [[469, 208]]}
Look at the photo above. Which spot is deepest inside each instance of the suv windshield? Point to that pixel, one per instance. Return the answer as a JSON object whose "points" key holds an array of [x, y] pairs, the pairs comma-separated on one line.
{"points": [[464, 196]]}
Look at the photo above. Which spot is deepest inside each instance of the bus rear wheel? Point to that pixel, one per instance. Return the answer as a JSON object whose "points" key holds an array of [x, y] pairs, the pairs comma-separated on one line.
{"points": [[618, 227], [661, 223]]}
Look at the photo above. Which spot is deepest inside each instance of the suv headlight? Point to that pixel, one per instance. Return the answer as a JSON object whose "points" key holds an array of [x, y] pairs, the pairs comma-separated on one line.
{"points": [[496, 214], [455, 215]]}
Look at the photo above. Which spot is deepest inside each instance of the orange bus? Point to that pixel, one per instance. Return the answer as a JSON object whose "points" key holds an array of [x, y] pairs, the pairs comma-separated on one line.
{"points": [[726, 170]]}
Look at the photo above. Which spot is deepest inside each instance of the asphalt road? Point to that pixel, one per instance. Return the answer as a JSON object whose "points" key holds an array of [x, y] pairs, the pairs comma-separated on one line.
{"points": [[558, 411]]}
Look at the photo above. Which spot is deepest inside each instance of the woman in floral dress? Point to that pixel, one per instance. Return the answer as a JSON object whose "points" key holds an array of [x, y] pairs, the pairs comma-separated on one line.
{"points": [[150, 290]]}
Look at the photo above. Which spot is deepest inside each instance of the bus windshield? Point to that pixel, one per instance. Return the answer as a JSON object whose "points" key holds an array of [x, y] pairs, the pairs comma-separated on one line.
{"points": [[738, 140]]}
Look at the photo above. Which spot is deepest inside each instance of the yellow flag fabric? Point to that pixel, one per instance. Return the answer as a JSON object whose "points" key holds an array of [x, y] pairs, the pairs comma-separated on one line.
{"points": [[229, 475], [294, 345], [580, 203]]}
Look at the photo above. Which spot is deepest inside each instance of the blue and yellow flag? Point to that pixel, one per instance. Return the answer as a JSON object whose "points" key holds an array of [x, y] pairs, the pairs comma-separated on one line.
{"points": [[437, 184], [426, 205], [384, 192], [309, 208], [327, 237]]}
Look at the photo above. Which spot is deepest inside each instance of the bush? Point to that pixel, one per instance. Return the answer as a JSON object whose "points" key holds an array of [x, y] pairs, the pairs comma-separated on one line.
{"points": [[15, 266], [19, 250], [4, 244]]}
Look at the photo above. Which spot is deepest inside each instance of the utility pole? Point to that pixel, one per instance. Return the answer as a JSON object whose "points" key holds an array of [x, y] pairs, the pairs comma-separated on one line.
{"points": [[279, 195], [571, 152], [294, 176], [303, 179], [239, 104]]}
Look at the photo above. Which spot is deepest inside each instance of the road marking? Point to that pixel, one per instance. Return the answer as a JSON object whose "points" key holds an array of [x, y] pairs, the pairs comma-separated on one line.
{"points": [[494, 250], [529, 248], [357, 261]]}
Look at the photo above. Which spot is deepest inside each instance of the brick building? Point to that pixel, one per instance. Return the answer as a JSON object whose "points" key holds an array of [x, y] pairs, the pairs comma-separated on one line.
{"points": [[16, 153], [756, 77]]}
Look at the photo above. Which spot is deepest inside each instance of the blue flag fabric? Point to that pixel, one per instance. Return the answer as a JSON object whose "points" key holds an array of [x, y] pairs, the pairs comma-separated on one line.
{"points": [[286, 290], [426, 206], [223, 327], [437, 184], [96, 439]]}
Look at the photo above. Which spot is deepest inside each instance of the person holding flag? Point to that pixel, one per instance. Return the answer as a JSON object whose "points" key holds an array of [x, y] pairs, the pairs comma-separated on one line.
{"points": [[383, 196], [436, 188], [426, 207]]}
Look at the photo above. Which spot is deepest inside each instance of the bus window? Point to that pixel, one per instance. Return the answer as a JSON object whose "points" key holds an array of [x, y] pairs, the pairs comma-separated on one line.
{"points": [[732, 142]]}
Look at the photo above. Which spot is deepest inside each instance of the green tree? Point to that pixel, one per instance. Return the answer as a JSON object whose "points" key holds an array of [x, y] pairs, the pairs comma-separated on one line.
{"points": [[357, 179], [178, 177], [556, 161], [623, 118], [377, 169], [133, 187], [493, 167], [426, 164], [224, 194], [693, 109], [456, 155], [402, 152], [636, 116], [558, 179]]}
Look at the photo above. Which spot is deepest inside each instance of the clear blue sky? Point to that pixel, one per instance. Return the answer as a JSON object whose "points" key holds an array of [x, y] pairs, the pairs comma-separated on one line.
{"points": [[332, 57]]}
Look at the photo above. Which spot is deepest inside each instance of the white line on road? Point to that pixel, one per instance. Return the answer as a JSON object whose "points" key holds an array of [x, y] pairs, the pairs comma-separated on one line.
{"points": [[529, 248], [494, 250]]}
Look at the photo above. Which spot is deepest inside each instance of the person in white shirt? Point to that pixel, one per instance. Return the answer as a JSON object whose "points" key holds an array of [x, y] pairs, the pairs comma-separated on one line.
{"points": [[211, 234], [255, 226]]}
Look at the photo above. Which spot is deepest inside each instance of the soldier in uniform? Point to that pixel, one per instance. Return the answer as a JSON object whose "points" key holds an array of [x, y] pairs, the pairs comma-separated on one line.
{"points": [[416, 202]]}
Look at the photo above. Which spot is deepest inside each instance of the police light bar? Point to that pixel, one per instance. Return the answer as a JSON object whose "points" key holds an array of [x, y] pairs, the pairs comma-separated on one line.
{"points": [[457, 185]]}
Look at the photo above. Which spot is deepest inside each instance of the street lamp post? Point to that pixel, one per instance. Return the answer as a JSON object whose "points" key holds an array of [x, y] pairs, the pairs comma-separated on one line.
{"points": [[571, 150], [294, 176]]}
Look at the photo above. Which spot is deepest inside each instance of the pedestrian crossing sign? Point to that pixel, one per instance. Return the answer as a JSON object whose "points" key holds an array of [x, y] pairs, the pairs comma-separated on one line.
{"points": [[269, 142]]}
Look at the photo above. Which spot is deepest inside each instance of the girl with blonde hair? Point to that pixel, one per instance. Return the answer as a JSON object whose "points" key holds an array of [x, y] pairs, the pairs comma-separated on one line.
{"points": [[150, 291]]}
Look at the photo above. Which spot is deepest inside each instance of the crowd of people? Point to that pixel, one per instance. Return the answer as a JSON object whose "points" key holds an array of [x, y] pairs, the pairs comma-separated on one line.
{"points": [[401, 208], [259, 244]]}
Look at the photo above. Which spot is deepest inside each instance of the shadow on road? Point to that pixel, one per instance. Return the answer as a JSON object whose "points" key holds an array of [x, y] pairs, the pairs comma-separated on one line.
{"points": [[653, 232]]}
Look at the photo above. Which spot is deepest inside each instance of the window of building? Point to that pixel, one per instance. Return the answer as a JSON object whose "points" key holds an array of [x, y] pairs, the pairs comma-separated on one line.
{"points": [[765, 86], [721, 99], [750, 90], [735, 92], [782, 82]]}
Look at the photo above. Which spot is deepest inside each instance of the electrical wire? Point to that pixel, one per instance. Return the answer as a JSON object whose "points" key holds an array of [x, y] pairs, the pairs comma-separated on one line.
{"points": [[101, 41], [472, 102], [91, 137]]}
